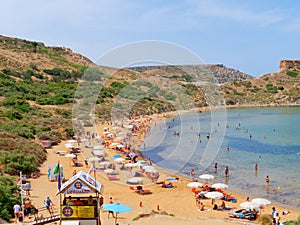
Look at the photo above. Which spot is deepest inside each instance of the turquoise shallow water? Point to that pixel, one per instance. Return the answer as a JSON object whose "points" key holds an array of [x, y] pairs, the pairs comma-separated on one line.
{"points": [[274, 146]]}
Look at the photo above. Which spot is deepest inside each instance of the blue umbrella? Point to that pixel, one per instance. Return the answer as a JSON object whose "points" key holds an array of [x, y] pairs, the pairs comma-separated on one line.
{"points": [[117, 208], [116, 156]]}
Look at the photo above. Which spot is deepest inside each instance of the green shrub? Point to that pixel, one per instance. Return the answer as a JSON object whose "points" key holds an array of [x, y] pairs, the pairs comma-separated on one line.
{"points": [[70, 132], [16, 162], [293, 73], [294, 222], [63, 112], [8, 197], [265, 220]]}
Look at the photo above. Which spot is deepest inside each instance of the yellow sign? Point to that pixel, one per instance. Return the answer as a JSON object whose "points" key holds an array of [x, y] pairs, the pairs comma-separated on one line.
{"points": [[72, 211]]}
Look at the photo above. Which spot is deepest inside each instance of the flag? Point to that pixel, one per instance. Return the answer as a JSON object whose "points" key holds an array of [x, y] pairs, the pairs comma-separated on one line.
{"points": [[57, 171], [192, 172], [91, 170]]}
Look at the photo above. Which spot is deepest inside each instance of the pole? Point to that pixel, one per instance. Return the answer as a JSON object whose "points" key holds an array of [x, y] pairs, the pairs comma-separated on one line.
{"points": [[22, 201]]}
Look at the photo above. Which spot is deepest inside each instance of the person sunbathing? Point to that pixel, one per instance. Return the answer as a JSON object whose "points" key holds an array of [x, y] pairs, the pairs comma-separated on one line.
{"points": [[168, 185], [201, 207], [222, 206]]}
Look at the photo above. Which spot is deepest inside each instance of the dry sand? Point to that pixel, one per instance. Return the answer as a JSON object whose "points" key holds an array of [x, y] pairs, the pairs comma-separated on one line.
{"points": [[179, 201]]}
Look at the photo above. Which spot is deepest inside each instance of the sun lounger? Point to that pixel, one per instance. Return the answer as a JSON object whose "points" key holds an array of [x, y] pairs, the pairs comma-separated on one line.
{"points": [[143, 192], [112, 177], [77, 164]]}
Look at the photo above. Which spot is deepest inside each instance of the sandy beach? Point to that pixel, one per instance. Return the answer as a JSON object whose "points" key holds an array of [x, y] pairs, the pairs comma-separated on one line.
{"points": [[178, 202]]}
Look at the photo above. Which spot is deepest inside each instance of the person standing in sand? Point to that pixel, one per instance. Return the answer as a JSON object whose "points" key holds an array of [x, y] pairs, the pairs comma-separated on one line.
{"points": [[111, 212], [267, 180]]}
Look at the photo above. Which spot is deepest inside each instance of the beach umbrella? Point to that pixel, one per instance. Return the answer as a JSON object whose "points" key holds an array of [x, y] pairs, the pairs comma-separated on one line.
{"points": [[261, 201], [116, 156], [117, 208], [94, 159], [69, 145], [98, 147], [119, 160], [70, 156], [98, 153], [213, 194], [220, 185], [206, 177], [84, 139], [249, 205], [120, 146], [130, 165], [71, 141], [194, 184], [110, 171], [105, 163], [106, 132], [135, 180]]}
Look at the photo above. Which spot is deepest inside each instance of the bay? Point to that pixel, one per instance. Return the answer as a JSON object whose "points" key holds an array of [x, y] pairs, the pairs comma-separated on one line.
{"points": [[238, 138]]}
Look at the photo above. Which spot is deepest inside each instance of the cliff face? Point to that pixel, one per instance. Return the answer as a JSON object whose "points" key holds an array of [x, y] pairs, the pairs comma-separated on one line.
{"points": [[289, 64]]}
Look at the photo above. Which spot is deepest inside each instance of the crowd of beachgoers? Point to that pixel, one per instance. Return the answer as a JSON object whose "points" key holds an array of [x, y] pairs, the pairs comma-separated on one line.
{"points": [[110, 151]]}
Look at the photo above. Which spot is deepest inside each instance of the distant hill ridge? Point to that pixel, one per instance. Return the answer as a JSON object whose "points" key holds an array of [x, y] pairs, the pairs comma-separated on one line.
{"points": [[201, 72]]}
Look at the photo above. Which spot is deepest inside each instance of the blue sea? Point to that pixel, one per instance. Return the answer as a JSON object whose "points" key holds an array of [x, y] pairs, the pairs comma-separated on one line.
{"points": [[238, 138]]}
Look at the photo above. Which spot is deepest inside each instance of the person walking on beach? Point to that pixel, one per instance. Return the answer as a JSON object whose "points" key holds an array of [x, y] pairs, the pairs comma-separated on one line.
{"points": [[27, 207], [111, 212], [27, 188], [49, 204], [226, 171], [216, 167], [17, 211]]}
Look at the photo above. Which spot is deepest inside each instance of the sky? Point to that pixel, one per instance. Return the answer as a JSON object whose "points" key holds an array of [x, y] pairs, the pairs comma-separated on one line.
{"points": [[251, 36]]}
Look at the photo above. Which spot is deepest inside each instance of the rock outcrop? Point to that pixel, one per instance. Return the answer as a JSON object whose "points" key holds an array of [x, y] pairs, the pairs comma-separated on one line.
{"points": [[289, 64]]}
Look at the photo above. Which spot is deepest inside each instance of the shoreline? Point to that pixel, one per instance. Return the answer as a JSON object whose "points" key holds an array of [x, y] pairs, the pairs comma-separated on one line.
{"points": [[171, 201]]}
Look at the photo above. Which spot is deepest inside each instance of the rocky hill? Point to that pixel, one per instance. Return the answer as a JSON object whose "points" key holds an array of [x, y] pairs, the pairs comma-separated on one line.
{"points": [[277, 88], [21, 57]]}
